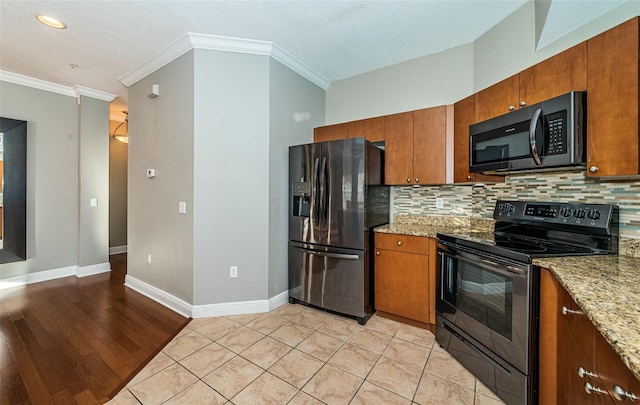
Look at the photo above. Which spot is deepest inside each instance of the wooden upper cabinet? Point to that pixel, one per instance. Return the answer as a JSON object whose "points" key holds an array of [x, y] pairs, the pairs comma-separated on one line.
{"points": [[331, 132], [464, 114], [560, 74], [398, 155], [557, 75], [430, 145], [371, 128], [612, 102], [498, 99], [415, 147]]}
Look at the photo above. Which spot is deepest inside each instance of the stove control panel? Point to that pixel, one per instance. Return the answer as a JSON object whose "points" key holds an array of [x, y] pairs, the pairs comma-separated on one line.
{"points": [[584, 215]]}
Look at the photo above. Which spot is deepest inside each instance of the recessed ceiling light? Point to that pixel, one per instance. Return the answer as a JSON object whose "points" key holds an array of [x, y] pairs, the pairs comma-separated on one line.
{"points": [[51, 22]]}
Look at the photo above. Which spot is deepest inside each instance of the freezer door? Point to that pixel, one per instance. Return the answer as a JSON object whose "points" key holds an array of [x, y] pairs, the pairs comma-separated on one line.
{"points": [[328, 278], [342, 198], [304, 193]]}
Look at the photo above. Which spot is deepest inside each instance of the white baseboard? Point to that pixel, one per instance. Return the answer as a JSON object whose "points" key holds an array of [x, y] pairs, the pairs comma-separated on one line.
{"points": [[277, 300], [205, 311], [114, 250], [37, 277], [94, 269], [173, 303]]}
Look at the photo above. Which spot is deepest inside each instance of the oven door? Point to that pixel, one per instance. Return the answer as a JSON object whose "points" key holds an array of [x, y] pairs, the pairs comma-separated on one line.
{"points": [[488, 299]]}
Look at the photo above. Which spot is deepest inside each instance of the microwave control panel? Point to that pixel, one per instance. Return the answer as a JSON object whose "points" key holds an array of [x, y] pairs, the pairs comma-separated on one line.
{"points": [[556, 133]]}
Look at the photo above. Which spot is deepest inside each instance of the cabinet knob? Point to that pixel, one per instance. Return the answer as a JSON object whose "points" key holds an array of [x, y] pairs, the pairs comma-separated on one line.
{"points": [[593, 169], [582, 373], [378, 253], [469, 177], [590, 389], [567, 311], [399, 243], [523, 104], [417, 180], [512, 107], [621, 394], [408, 180]]}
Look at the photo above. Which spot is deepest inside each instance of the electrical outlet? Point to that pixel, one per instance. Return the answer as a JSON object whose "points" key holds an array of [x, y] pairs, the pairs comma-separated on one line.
{"points": [[439, 202], [233, 272]]}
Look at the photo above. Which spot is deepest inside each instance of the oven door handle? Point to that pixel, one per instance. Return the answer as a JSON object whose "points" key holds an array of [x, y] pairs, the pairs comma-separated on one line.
{"points": [[490, 264]]}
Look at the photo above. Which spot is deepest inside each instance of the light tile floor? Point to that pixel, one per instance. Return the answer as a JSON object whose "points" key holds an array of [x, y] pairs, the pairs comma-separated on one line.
{"points": [[299, 355]]}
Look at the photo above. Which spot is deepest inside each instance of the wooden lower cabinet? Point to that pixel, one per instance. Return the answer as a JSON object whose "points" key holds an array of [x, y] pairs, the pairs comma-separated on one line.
{"points": [[403, 273], [568, 342]]}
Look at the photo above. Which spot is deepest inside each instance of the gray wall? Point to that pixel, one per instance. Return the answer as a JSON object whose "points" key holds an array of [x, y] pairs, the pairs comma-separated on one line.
{"points": [[431, 80], [163, 140], [296, 107], [93, 238], [117, 190], [449, 76], [52, 174], [231, 182]]}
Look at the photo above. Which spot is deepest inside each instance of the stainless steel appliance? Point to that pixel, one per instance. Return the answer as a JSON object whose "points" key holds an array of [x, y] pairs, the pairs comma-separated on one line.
{"points": [[544, 135], [487, 298], [336, 197]]}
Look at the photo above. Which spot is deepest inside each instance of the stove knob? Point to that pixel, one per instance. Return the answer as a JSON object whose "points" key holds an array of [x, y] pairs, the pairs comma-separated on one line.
{"points": [[510, 208], [566, 212], [595, 215], [580, 213]]}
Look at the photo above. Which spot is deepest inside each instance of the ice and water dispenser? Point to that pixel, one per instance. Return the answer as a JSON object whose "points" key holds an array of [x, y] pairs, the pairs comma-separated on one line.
{"points": [[301, 199]]}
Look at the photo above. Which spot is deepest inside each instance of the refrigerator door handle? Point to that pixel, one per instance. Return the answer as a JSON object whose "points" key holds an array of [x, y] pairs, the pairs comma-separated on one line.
{"points": [[345, 256], [323, 191], [316, 192]]}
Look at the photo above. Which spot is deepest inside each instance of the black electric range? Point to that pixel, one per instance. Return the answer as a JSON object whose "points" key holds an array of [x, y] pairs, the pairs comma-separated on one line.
{"points": [[526, 230], [487, 288]]}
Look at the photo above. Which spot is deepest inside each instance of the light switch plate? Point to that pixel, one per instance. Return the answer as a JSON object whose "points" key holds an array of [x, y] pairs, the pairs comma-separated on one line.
{"points": [[94, 202]]}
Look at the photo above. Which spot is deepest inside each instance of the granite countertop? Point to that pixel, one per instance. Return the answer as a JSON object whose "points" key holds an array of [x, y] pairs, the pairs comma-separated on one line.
{"points": [[607, 289]]}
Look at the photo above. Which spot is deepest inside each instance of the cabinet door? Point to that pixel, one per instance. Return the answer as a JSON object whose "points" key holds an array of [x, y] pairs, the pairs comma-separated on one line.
{"points": [[401, 284], [331, 132], [612, 371], [612, 102], [571, 387], [498, 99], [464, 114], [430, 145], [560, 74], [398, 134], [372, 129]]}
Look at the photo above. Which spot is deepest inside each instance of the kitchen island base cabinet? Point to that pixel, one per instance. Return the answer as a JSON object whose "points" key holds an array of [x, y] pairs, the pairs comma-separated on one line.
{"points": [[403, 279], [577, 364]]}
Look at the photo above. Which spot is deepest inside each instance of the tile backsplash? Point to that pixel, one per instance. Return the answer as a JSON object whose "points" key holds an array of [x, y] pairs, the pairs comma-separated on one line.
{"points": [[477, 201]]}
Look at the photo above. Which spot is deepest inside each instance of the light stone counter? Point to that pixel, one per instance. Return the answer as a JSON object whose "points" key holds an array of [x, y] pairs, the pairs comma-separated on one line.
{"points": [[430, 226], [607, 289]]}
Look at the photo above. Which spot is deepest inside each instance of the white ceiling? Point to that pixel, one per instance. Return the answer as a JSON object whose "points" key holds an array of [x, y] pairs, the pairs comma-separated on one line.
{"points": [[106, 40]]}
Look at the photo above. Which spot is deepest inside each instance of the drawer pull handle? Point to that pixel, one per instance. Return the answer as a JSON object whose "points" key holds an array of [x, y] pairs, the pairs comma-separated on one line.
{"points": [[567, 311], [399, 243], [621, 394], [590, 389], [378, 253], [584, 373]]}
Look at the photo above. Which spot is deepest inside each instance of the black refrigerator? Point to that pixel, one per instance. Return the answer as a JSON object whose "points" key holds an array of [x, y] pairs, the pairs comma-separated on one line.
{"points": [[337, 196]]}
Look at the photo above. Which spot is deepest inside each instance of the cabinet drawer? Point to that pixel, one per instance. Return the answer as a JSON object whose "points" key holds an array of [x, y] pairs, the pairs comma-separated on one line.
{"points": [[402, 243]]}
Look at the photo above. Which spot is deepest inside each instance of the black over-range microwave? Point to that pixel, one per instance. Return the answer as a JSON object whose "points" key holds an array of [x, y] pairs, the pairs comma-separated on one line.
{"points": [[544, 135]]}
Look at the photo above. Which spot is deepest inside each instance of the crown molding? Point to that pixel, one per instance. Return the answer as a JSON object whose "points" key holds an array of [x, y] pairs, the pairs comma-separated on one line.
{"points": [[36, 83], [97, 94], [75, 91], [227, 44]]}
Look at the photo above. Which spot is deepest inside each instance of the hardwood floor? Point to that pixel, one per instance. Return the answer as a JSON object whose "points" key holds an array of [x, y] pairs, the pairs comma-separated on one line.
{"points": [[78, 340]]}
